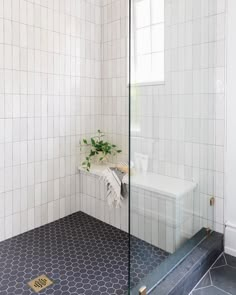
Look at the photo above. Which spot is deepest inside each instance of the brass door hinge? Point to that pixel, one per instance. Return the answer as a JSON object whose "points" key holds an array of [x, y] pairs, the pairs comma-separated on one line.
{"points": [[212, 201], [208, 231], [143, 291]]}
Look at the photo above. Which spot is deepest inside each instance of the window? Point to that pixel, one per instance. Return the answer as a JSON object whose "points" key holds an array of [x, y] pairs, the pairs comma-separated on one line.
{"points": [[147, 60]]}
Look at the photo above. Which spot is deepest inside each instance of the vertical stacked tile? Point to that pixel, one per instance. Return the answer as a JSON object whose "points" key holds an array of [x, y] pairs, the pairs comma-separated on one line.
{"points": [[50, 96], [115, 81], [181, 121]]}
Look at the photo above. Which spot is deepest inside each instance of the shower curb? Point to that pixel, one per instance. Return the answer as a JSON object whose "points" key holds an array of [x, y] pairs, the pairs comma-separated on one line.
{"points": [[188, 273]]}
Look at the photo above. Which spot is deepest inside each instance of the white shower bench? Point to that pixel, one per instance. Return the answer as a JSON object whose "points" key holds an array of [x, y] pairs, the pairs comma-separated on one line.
{"points": [[162, 207]]}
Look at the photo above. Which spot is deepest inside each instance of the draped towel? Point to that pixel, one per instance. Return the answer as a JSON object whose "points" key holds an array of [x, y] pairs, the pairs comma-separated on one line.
{"points": [[116, 188]]}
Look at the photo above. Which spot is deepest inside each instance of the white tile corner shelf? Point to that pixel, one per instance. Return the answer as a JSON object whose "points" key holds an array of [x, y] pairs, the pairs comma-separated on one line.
{"points": [[96, 169]]}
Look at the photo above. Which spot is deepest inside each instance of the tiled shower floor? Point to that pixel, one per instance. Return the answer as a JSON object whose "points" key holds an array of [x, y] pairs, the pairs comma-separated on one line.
{"points": [[80, 254], [220, 279]]}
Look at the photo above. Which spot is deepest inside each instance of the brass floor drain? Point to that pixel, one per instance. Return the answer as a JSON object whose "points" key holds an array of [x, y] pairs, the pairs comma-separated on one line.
{"points": [[40, 283]]}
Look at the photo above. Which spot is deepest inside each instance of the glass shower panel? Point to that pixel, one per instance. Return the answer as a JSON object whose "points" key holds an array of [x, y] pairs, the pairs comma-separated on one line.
{"points": [[176, 66]]}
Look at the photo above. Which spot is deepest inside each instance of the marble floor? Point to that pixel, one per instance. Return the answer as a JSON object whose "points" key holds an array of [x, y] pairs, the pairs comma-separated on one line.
{"points": [[220, 279]]}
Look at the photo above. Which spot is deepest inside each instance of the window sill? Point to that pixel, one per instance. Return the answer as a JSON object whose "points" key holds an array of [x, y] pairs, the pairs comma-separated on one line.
{"points": [[145, 84]]}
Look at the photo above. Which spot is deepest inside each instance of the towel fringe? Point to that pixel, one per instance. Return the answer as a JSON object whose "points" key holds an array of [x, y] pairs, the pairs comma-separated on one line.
{"points": [[113, 183]]}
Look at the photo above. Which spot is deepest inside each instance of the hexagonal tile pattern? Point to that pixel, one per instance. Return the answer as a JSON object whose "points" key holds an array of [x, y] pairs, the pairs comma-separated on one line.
{"points": [[81, 254]]}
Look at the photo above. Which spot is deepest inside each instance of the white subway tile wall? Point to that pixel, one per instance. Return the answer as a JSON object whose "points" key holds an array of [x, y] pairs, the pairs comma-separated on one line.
{"points": [[50, 96], [64, 74], [163, 221], [93, 192], [160, 220], [180, 124], [115, 74]]}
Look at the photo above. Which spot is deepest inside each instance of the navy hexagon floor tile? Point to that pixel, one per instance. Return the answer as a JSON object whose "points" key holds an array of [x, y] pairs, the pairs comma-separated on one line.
{"points": [[80, 254]]}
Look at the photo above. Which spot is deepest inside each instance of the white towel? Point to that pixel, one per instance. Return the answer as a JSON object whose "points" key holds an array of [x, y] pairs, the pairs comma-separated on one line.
{"points": [[126, 179], [113, 183]]}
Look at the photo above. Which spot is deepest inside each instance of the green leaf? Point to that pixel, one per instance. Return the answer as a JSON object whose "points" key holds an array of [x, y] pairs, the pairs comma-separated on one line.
{"points": [[98, 146], [93, 141]]}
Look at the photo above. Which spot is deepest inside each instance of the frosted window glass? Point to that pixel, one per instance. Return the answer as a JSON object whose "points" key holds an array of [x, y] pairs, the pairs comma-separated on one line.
{"points": [[158, 38], [158, 11], [142, 13], [143, 41], [148, 41], [143, 70], [158, 66]]}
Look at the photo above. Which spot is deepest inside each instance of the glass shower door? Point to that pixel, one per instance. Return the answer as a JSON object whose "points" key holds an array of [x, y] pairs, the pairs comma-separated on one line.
{"points": [[175, 83]]}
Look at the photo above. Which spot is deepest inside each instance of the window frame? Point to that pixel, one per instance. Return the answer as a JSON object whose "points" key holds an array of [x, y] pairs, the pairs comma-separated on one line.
{"points": [[134, 45]]}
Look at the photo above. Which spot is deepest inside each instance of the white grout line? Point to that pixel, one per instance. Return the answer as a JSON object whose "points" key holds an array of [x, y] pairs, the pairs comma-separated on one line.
{"points": [[194, 288], [233, 267], [202, 288], [217, 260], [210, 277], [228, 264], [225, 258], [222, 290], [218, 266]]}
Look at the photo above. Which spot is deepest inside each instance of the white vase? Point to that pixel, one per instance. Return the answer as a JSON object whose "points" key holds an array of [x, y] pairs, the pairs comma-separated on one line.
{"points": [[99, 156]]}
